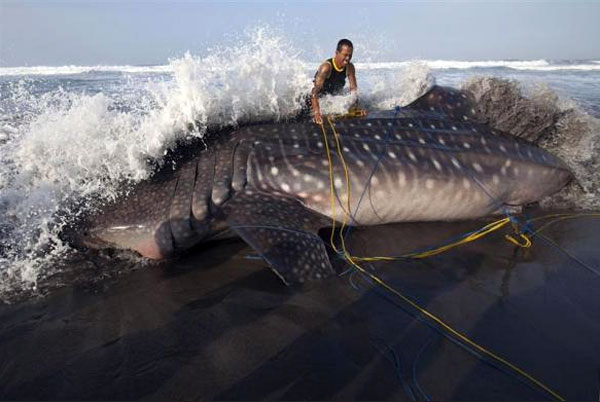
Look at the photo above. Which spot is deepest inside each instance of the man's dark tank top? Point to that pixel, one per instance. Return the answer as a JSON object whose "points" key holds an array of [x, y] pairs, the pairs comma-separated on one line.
{"points": [[336, 80]]}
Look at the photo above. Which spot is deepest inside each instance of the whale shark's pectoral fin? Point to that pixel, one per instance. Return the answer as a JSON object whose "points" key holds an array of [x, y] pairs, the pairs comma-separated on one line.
{"points": [[284, 232], [456, 104]]}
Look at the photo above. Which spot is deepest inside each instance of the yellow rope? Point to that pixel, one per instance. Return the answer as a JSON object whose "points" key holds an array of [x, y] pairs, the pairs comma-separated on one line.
{"points": [[383, 284]]}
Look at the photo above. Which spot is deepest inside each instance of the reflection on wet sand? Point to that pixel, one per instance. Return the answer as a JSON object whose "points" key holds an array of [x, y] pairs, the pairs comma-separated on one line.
{"points": [[217, 325]]}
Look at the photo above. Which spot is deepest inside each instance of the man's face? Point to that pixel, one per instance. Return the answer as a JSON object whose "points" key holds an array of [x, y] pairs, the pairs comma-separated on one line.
{"points": [[343, 56]]}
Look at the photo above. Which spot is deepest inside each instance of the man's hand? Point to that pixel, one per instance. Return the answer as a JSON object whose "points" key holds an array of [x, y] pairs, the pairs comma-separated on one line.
{"points": [[317, 118]]}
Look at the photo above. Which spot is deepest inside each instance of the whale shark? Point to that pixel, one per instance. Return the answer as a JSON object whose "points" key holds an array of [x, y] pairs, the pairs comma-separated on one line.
{"points": [[276, 185]]}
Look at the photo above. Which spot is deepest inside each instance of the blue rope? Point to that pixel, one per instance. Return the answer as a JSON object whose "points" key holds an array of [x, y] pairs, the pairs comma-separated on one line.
{"points": [[414, 369], [396, 361]]}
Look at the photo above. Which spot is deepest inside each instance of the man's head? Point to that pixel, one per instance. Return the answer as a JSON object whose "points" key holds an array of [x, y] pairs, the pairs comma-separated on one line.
{"points": [[343, 52]]}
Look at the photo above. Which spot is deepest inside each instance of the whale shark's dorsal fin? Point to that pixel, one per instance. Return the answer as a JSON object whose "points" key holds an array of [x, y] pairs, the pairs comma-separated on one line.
{"points": [[284, 232], [456, 104]]}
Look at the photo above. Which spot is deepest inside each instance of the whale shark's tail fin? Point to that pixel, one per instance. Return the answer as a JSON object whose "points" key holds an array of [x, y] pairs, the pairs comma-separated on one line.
{"points": [[283, 232], [456, 104]]}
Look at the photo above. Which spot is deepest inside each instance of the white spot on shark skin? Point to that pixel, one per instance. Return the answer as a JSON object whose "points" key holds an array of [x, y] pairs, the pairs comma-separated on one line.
{"points": [[495, 179], [441, 141], [337, 182], [296, 145], [374, 180], [295, 172], [437, 165], [274, 171], [325, 162], [285, 187], [297, 186], [377, 137], [503, 170], [454, 128], [302, 194], [508, 163], [421, 140], [300, 156], [429, 184], [320, 185], [466, 145], [410, 125], [516, 171], [392, 155], [320, 144], [483, 141], [317, 198], [271, 158], [465, 117], [502, 148], [346, 149], [398, 136], [412, 156], [357, 135], [466, 183], [432, 126], [455, 162], [477, 167], [431, 108], [366, 147], [307, 178], [360, 163]]}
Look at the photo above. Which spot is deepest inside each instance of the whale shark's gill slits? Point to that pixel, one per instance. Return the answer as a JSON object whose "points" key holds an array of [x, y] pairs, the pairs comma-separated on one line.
{"points": [[240, 164], [221, 190], [184, 235], [203, 189]]}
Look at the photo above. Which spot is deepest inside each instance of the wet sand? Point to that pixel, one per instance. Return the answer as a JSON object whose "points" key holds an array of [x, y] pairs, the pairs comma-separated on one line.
{"points": [[219, 325]]}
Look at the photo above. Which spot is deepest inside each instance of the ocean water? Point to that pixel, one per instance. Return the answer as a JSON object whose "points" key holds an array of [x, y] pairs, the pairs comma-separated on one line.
{"points": [[75, 137]]}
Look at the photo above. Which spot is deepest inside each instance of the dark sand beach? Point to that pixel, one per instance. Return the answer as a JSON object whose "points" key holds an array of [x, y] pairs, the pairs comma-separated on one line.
{"points": [[217, 324]]}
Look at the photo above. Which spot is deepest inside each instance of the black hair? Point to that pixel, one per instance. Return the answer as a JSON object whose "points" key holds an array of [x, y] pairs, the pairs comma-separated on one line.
{"points": [[344, 42]]}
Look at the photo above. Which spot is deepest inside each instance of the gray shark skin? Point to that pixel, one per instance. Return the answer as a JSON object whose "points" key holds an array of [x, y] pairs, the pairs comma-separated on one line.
{"points": [[270, 184]]}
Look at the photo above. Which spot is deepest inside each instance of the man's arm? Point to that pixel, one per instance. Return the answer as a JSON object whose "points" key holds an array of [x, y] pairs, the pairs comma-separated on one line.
{"points": [[322, 74], [354, 88], [352, 78]]}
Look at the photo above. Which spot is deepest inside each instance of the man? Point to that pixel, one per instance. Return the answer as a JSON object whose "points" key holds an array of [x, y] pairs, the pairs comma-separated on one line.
{"points": [[330, 78]]}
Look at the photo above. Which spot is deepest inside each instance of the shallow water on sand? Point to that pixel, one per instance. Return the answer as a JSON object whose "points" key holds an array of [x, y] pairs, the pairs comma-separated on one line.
{"points": [[217, 324]]}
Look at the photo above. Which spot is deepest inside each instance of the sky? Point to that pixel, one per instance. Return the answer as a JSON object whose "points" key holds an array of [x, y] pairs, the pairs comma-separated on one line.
{"points": [[150, 32]]}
